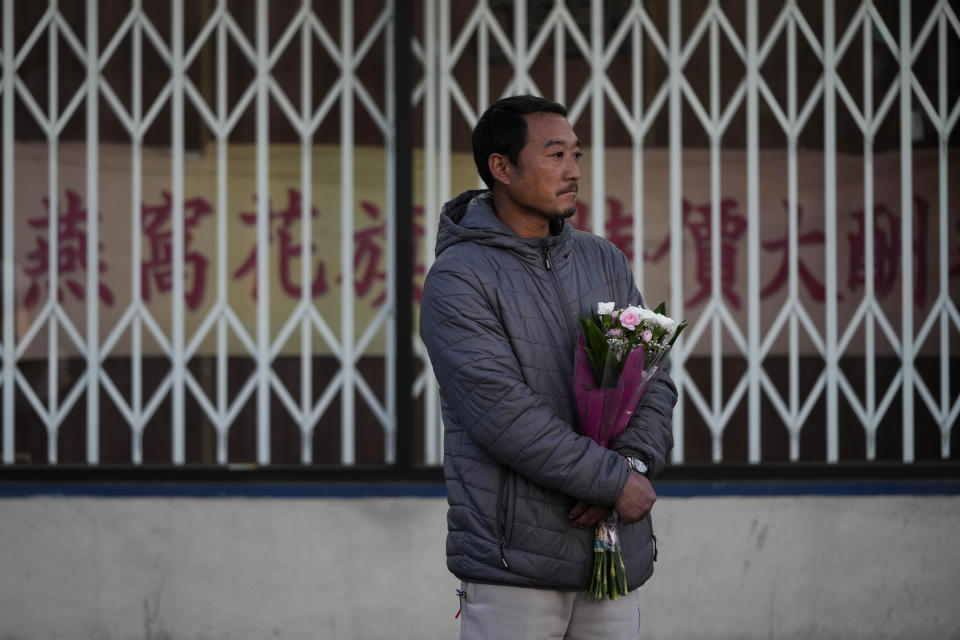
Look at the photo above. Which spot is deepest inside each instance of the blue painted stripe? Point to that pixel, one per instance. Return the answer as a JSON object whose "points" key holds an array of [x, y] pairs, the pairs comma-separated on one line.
{"points": [[809, 488], [386, 490], [223, 491]]}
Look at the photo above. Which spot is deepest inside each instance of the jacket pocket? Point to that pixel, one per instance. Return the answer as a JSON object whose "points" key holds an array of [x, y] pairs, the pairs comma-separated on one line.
{"points": [[506, 511]]}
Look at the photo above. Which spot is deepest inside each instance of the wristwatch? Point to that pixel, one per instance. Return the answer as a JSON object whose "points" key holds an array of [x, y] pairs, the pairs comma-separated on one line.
{"points": [[638, 465]]}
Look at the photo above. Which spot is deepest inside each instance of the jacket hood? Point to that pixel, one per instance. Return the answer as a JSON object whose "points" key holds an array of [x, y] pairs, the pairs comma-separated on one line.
{"points": [[470, 217]]}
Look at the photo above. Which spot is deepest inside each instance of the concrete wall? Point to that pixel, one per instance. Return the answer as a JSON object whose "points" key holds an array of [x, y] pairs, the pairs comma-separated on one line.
{"points": [[263, 568]]}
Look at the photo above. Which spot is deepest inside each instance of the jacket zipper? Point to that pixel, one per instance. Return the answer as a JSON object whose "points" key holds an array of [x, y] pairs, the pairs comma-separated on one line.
{"points": [[545, 248], [502, 513]]}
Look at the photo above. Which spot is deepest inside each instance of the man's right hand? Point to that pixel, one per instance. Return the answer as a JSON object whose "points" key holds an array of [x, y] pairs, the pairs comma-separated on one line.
{"points": [[636, 499]]}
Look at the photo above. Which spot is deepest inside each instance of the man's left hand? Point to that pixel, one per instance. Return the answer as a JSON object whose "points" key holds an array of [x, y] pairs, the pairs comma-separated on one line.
{"points": [[585, 515]]}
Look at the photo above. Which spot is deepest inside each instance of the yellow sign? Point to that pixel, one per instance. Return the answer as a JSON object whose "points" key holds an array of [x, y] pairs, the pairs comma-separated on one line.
{"points": [[218, 275]]}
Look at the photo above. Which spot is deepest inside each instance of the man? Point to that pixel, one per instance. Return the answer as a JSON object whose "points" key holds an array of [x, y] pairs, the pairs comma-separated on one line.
{"points": [[499, 319]]}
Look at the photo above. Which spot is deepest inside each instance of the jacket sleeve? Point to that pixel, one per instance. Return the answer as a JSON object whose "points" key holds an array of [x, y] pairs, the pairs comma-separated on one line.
{"points": [[482, 386], [649, 433]]}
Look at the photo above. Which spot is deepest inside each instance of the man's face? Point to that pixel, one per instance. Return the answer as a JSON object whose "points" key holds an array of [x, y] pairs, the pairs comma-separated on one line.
{"points": [[544, 183]]}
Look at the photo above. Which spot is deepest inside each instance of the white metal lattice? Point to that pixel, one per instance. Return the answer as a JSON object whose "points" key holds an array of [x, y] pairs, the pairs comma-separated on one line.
{"points": [[220, 119], [648, 29], [752, 341]]}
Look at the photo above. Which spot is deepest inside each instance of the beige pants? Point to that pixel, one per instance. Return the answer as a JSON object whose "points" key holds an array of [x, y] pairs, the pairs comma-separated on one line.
{"points": [[496, 612]]}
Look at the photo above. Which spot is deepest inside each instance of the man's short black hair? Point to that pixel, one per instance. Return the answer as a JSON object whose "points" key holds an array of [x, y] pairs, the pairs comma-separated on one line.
{"points": [[503, 129]]}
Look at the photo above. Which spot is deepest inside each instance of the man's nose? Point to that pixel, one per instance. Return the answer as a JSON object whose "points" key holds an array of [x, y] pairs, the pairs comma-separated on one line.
{"points": [[572, 169]]}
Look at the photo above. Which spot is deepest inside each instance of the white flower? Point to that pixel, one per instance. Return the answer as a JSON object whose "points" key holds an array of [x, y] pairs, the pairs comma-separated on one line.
{"points": [[646, 314], [664, 322], [639, 311], [605, 308]]}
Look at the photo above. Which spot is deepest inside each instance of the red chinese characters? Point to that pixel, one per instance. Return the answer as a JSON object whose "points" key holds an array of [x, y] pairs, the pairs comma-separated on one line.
{"points": [[71, 255], [368, 252], [289, 251], [369, 256], [887, 254], [696, 220], [156, 267], [813, 285], [618, 226]]}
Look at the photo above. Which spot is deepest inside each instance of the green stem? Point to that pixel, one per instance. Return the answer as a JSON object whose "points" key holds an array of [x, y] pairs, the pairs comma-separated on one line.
{"points": [[614, 583], [604, 569], [595, 577]]}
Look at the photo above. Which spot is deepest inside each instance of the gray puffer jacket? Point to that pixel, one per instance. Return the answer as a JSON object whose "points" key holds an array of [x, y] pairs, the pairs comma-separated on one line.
{"points": [[499, 319]]}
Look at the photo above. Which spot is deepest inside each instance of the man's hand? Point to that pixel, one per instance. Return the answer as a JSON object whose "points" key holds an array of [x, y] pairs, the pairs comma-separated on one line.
{"points": [[636, 499], [585, 515]]}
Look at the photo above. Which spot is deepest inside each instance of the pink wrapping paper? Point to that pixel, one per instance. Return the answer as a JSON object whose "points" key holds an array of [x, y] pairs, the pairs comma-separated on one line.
{"points": [[604, 413]]}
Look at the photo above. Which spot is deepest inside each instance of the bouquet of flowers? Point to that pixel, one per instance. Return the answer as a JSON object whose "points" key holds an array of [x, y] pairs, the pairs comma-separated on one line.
{"points": [[618, 354]]}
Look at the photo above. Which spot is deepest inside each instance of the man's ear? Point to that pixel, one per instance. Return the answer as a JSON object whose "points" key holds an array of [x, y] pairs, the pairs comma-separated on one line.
{"points": [[498, 165]]}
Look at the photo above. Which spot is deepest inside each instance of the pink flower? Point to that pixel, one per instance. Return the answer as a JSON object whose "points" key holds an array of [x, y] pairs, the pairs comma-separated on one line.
{"points": [[647, 335], [629, 319], [614, 333]]}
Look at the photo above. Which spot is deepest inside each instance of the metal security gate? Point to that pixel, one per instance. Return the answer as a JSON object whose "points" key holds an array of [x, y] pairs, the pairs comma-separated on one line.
{"points": [[596, 57], [753, 159], [259, 339]]}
